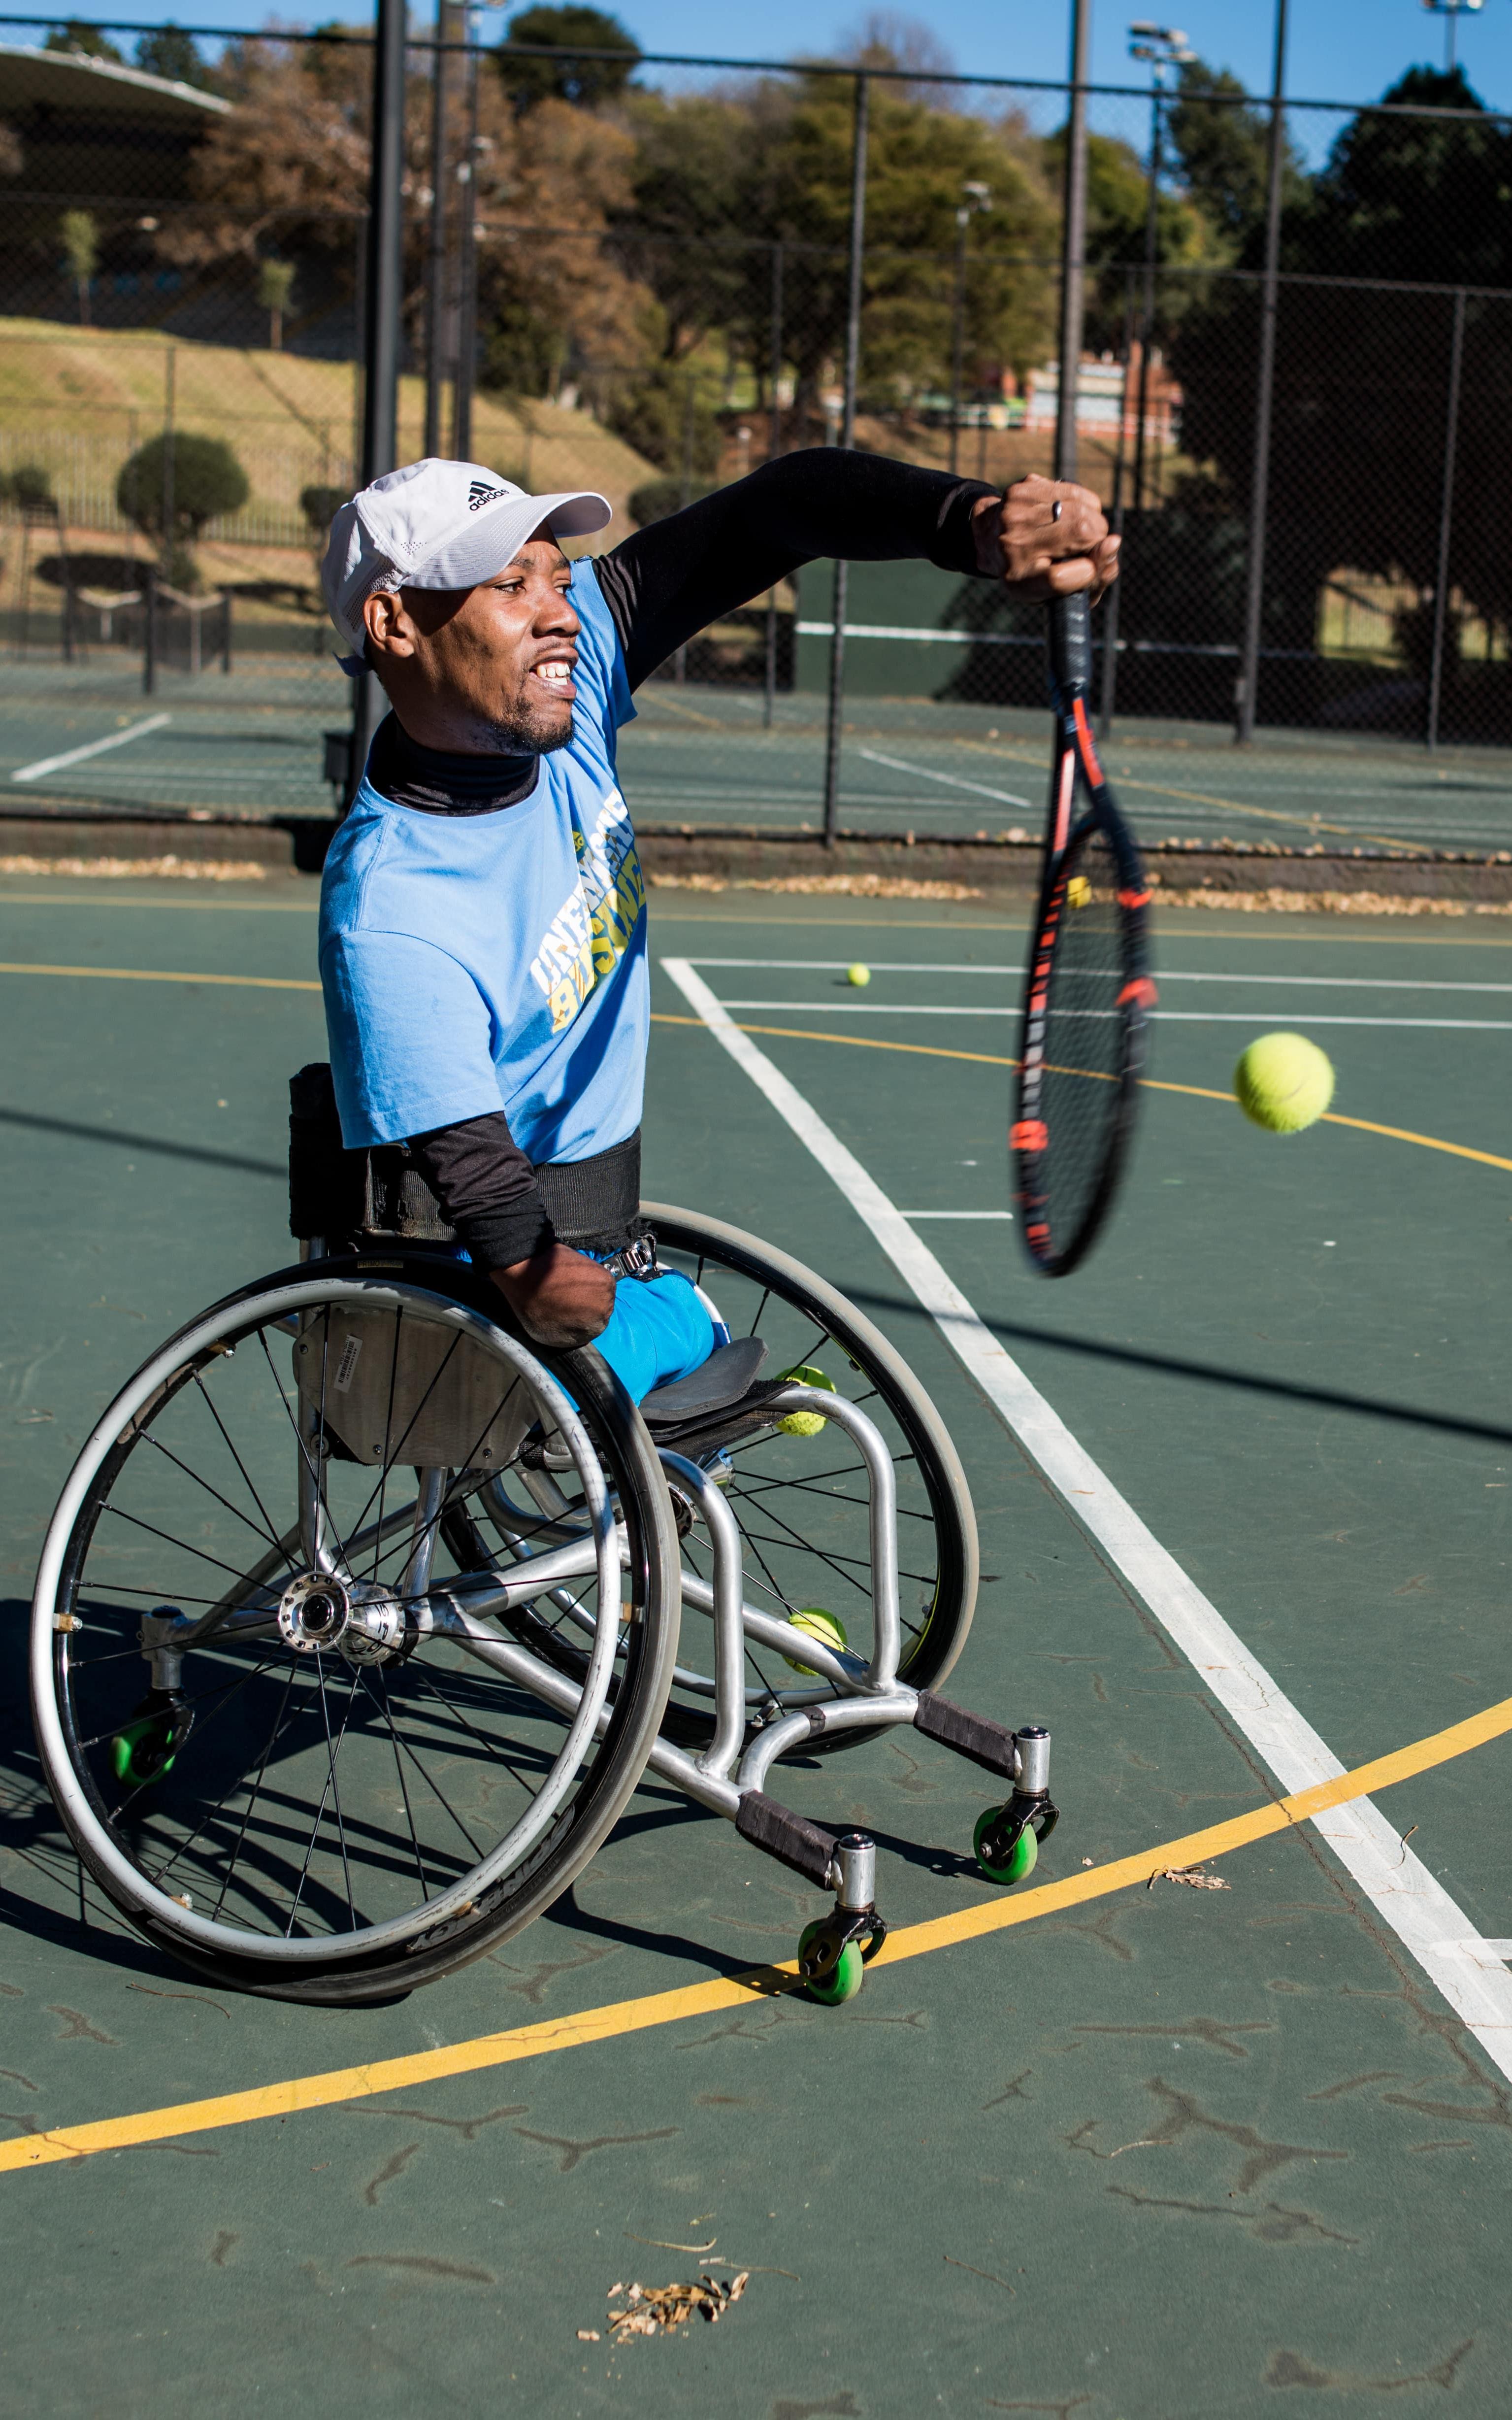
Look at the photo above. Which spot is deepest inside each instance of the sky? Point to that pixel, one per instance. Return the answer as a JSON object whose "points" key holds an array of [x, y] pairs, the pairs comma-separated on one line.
{"points": [[1345, 50]]}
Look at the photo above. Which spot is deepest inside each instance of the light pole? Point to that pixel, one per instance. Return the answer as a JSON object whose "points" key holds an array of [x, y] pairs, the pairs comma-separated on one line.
{"points": [[978, 197], [1167, 49], [1453, 11]]}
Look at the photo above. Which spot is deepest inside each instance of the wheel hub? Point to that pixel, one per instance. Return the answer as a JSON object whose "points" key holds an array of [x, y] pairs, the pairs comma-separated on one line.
{"points": [[318, 1613]]}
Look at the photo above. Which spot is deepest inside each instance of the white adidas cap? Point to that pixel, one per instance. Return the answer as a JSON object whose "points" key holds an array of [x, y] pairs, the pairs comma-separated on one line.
{"points": [[438, 525]]}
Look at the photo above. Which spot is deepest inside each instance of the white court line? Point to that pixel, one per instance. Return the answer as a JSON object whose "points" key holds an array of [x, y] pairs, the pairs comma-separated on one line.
{"points": [[956, 1214], [951, 781], [1418, 1909], [1160, 1016], [1167, 974], [95, 748]]}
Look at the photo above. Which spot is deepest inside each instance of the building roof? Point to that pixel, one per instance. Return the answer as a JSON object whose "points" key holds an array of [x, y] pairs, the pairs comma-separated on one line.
{"points": [[66, 80]]}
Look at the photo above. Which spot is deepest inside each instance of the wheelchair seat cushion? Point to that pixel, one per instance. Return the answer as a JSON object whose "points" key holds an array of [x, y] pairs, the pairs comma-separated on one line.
{"points": [[721, 1381]]}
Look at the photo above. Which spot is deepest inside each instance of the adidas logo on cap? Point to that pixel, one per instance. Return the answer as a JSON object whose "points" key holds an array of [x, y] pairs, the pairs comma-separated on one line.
{"points": [[478, 495]]}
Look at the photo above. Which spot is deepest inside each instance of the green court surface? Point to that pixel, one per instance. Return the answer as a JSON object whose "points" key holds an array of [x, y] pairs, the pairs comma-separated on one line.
{"points": [[250, 743], [1167, 2154]]}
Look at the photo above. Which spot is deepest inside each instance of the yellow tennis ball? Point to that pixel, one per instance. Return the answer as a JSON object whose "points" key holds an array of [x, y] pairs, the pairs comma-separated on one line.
{"points": [[858, 975], [1284, 1082], [826, 1627], [1078, 891], [806, 1423]]}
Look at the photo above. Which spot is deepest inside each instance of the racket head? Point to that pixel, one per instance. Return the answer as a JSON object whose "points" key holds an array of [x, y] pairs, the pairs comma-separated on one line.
{"points": [[1084, 1041]]}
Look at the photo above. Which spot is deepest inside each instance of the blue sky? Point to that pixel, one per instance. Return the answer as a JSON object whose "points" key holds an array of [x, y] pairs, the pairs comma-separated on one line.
{"points": [[1348, 50]]}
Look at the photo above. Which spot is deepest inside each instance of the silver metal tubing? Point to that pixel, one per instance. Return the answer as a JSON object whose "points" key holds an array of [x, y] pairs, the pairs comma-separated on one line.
{"points": [[843, 1670], [314, 1521], [886, 1631], [847, 1715], [855, 1872], [1033, 1745], [503, 1585], [415, 1578], [729, 1628]]}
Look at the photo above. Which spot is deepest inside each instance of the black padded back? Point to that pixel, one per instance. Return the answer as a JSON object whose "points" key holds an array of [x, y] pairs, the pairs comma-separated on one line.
{"points": [[335, 1192]]}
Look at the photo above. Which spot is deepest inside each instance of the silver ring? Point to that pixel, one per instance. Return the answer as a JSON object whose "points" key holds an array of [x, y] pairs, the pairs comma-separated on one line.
{"points": [[1057, 509]]}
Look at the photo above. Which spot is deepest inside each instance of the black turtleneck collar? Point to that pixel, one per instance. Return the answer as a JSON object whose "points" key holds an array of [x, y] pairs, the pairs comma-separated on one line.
{"points": [[440, 783]]}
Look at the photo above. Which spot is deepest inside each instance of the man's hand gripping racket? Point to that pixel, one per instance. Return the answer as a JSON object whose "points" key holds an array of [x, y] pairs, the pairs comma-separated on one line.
{"points": [[1088, 991]]}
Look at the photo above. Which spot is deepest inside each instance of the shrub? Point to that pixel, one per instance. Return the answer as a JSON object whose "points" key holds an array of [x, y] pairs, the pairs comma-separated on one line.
{"points": [[207, 482]]}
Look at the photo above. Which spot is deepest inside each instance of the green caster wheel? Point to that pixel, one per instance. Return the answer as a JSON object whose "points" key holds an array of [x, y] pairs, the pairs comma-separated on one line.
{"points": [[847, 1978], [1020, 1858], [143, 1750]]}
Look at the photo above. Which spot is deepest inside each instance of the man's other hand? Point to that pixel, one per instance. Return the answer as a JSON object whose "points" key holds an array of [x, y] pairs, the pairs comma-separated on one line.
{"points": [[560, 1297], [1020, 541]]}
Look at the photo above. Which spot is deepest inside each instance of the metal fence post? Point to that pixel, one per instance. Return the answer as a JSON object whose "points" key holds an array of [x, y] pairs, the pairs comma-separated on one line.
{"points": [[467, 306], [847, 438], [149, 632], [1073, 244], [436, 297], [1110, 602], [1146, 324], [773, 447], [169, 367], [1441, 584], [380, 315], [1264, 394]]}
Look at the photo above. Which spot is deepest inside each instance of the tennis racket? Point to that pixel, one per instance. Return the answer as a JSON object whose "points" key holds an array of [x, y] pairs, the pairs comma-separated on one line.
{"points": [[1088, 991]]}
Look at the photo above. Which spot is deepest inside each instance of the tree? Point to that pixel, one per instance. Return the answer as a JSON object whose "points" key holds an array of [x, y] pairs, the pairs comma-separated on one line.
{"points": [[81, 250], [171, 52], [207, 482], [84, 40], [275, 280], [1222, 151], [586, 83], [1361, 368]]}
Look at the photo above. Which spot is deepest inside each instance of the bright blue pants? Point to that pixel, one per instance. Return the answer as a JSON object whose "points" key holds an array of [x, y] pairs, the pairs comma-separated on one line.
{"points": [[658, 1330]]}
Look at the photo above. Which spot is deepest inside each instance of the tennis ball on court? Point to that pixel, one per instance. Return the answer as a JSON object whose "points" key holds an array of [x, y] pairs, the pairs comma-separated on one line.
{"points": [[1284, 1082], [806, 1423], [858, 975], [826, 1627], [1078, 891]]}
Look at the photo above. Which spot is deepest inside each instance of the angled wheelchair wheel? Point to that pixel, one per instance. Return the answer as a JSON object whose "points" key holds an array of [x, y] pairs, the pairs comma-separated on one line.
{"points": [[800, 1496], [294, 1744]]}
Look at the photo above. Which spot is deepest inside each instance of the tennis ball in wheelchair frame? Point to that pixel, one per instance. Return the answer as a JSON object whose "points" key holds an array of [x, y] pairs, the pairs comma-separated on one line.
{"points": [[858, 975], [1078, 891], [826, 1627], [1284, 1082], [806, 1423]]}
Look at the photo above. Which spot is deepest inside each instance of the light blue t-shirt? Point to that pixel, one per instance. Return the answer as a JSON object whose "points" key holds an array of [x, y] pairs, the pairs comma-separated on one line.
{"points": [[478, 962]]}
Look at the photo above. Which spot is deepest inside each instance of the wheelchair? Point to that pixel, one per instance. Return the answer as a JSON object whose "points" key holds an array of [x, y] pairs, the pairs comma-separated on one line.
{"points": [[361, 1616]]}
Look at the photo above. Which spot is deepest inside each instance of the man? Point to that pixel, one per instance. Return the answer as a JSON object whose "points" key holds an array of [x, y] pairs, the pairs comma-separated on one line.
{"points": [[483, 938]]}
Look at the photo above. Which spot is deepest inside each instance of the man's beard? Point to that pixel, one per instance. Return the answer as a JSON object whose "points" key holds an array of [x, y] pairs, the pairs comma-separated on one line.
{"points": [[527, 732]]}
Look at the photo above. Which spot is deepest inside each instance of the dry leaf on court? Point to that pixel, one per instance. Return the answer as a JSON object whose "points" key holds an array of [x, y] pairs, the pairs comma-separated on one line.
{"points": [[588, 2335], [1192, 1875], [657, 2310]]}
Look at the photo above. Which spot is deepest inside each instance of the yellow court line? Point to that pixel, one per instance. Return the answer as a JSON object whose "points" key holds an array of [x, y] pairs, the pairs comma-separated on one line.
{"points": [[622, 2017], [1148, 1084], [148, 974]]}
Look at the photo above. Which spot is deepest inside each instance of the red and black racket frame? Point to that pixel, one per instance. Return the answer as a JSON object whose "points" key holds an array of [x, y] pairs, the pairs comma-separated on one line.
{"points": [[1076, 770]]}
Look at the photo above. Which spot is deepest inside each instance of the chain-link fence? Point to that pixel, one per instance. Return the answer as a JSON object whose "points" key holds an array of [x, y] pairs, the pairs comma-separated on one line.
{"points": [[636, 275]]}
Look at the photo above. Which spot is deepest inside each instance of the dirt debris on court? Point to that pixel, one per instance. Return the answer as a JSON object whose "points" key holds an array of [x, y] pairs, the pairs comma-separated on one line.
{"points": [[850, 885], [143, 869]]}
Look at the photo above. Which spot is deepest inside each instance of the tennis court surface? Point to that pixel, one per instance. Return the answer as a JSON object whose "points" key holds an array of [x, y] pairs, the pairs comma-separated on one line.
{"points": [[1159, 2152], [249, 743]]}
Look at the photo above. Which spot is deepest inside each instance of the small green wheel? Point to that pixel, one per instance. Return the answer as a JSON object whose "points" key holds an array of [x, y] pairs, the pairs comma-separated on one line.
{"points": [[143, 1750], [1020, 1858], [847, 1978]]}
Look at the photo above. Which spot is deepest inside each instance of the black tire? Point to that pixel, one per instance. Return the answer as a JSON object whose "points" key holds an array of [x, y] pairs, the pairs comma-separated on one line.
{"points": [[69, 1712], [716, 1254]]}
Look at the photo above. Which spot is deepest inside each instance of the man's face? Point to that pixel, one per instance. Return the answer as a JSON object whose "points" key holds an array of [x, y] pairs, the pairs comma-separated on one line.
{"points": [[486, 670]]}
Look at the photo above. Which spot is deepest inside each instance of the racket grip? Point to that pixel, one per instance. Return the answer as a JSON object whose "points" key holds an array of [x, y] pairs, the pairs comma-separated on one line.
{"points": [[1071, 647]]}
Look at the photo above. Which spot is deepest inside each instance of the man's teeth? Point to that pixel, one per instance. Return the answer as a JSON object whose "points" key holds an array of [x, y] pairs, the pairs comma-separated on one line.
{"points": [[555, 672]]}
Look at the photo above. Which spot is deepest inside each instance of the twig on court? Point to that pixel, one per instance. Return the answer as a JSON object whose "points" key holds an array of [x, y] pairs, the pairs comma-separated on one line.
{"points": [[1192, 1875], [657, 2245], [951, 2259]]}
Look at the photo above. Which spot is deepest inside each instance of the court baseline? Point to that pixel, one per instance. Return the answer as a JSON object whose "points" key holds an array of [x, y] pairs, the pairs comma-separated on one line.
{"points": [[1411, 1900]]}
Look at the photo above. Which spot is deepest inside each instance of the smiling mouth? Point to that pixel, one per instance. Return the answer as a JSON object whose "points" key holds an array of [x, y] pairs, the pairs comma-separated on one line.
{"points": [[555, 673]]}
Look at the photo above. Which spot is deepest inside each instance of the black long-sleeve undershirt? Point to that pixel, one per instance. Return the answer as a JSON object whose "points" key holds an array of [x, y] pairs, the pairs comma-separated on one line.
{"points": [[662, 584]]}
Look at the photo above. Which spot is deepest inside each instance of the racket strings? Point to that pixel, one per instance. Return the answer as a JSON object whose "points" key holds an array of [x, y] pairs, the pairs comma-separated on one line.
{"points": [[1084, 1040]]}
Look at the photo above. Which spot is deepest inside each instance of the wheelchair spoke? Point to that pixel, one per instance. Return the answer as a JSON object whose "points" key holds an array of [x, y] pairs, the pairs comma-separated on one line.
{"points": [[234, 1510], [246, 1818], [246, 1475], [404, 1786]]}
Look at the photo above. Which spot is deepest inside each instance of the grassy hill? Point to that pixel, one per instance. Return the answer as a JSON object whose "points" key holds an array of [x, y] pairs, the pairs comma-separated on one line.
{"points": [[78, 402]]}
